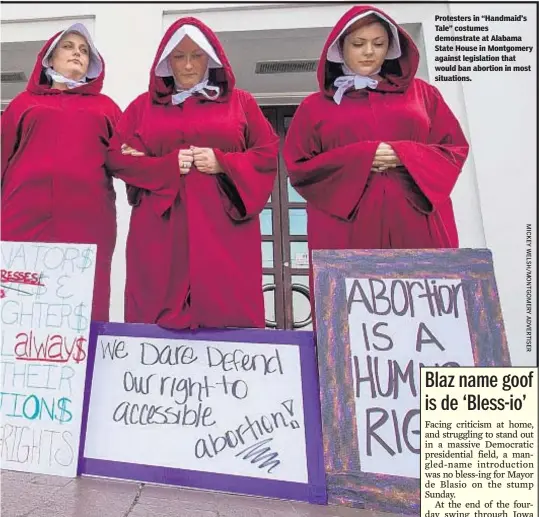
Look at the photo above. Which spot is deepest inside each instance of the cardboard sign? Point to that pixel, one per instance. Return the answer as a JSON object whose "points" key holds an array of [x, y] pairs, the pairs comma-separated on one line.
{"points": [[381, 315], [45, 310], [209, 409]]}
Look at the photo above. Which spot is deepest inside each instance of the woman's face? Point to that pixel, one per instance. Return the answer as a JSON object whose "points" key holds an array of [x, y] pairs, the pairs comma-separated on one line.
{"points": [[188, 63], [71, 56], [365, 49]]}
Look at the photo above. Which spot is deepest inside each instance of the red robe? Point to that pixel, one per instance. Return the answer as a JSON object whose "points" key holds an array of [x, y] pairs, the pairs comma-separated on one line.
{"points": [[329, 152], [55, 187], [194, 244]]}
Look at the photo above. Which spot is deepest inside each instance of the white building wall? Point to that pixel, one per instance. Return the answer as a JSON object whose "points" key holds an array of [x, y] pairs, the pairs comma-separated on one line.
{"points": [[495, 196], [502, 119]]}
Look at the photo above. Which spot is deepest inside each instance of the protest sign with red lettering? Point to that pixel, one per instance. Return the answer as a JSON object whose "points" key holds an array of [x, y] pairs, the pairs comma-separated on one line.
{"points": [[45, 310]]}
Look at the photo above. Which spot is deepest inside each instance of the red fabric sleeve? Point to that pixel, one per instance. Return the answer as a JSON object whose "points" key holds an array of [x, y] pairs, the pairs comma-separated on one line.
{"points": [[9, 138], [249, 176], [160, 175], [114, 114], [435, 166], [333, 181]]}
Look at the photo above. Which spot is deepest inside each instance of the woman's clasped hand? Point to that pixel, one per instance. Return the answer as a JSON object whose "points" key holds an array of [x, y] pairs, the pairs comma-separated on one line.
{"points": [[203, 158], [385, 158]]}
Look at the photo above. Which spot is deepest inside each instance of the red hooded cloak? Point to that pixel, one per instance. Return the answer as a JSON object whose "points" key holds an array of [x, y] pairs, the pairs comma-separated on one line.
{"points": [[55, 187], [329, 151], [194, 244]]}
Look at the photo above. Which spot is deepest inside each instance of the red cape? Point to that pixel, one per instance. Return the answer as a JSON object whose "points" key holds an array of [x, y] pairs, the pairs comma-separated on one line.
{"points": [[54, 184], [194, 244], [330, 148]]}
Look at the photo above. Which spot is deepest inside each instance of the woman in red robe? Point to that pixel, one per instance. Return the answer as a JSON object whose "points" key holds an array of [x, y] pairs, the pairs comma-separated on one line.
{"points": [[376, 152], [55, 135], [200, 161]]}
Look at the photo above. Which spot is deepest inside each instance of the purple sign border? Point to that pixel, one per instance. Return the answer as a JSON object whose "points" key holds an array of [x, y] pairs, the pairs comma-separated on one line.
{"points": [[314, 491]]}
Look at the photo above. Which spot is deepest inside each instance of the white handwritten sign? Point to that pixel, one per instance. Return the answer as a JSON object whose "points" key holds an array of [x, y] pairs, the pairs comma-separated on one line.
{"points": [[212, 406], [45, 310], [397, 325]]}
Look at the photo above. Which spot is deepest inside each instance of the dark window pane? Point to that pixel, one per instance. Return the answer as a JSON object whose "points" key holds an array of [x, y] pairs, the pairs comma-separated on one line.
{"points": [[266, 224], [267, 254], [287, 121], [297, 221], [299, 254], [301, 306], [293, 196], [269, 297]]}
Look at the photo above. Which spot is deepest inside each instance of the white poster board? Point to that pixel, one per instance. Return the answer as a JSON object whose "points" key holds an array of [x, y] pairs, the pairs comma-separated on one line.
{"points": [[397, 325], [45, 312], [221, 407]]}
